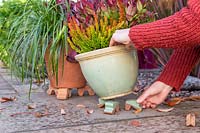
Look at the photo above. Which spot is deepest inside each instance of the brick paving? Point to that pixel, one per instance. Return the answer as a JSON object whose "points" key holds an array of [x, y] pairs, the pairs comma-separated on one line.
{"points": [[16, 117]]}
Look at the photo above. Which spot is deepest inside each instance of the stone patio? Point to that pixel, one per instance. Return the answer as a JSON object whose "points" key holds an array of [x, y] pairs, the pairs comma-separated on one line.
{"points": [[16, 117]]}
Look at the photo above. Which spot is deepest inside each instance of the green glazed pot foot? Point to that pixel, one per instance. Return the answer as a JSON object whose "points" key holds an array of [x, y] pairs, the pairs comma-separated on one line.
{"points": [[110, 107]]}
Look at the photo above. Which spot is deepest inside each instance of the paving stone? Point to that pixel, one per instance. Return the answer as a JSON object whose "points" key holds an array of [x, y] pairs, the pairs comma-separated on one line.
{"points": [[25, 88], [74, 115], [78, 120], [170, 124], [5, 87], [7, 91]]}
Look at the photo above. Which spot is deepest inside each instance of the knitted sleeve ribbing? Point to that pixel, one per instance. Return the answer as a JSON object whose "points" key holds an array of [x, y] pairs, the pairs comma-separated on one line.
{"points": [[177, 31], [179, 66]]}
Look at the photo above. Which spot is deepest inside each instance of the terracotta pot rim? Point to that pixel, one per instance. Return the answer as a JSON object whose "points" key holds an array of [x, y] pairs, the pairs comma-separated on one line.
{"points": [[102, 52]]}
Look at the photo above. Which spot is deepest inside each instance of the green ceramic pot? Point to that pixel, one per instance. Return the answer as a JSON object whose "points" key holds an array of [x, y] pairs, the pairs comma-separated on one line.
{"points": [[111, 72]]}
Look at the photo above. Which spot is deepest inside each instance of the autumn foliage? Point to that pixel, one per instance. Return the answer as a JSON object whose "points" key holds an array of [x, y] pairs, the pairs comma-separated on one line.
{"points": [[93, 22]]}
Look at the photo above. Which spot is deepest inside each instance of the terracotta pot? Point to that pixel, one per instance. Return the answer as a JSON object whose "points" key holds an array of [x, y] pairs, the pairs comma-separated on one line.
{"points": [[70, 77]]}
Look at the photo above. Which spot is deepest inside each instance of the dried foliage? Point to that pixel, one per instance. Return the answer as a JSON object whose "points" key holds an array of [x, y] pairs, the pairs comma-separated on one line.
{"points": [[162, 9]]}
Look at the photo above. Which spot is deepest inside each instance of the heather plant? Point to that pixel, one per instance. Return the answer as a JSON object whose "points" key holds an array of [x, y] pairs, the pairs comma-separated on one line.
{"points": [[93, 23]]}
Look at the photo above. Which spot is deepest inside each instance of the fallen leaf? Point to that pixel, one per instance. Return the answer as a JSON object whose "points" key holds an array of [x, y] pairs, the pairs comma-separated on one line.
{"points": [[90, 111], [193, 98], [36, 114], [100, 105], [20, 113], [6, 99], [80, 106], [31, 106], [190, 120], [2, 100], [137, 111], [62, 111], [174, 102], [2, 109], [39, 114], [164, 110], [135, 123]]}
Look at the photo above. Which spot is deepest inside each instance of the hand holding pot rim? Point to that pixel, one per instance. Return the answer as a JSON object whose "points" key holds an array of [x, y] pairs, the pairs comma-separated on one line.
{"points": [[120, 37]]}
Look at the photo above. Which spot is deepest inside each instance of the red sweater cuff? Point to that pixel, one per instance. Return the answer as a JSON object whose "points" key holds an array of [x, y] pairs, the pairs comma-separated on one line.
{"points": [[179, 66]]}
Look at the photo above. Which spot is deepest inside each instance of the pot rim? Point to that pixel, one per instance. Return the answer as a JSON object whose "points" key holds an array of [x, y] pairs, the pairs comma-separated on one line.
{"points": [[117, 95], [102, 52]]}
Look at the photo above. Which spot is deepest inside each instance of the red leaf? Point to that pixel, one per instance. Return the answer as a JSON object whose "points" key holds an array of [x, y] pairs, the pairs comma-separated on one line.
{"points": [[20, 113], [6, 99], [135, 123], [174, 102]]}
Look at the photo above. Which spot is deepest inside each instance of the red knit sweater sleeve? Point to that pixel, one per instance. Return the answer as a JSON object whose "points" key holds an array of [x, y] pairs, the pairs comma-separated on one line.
{"points": [[179, 66], [179, 30]]}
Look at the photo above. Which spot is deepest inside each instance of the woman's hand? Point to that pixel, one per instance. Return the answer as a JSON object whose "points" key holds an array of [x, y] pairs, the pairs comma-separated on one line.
{"points": [[120, 37], [154, 95]]}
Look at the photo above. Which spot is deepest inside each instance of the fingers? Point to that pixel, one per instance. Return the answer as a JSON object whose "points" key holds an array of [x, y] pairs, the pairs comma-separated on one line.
{"points": [[112, 42], [153, 106], [144, 104], [120, 37], [143, 97], [154, 99], [148, 104], [150, 91], [154, 95]]}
